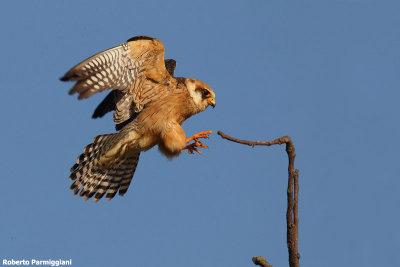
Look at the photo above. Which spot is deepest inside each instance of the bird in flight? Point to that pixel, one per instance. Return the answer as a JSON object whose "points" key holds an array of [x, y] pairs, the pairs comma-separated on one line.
{"points": [[149, 105]]}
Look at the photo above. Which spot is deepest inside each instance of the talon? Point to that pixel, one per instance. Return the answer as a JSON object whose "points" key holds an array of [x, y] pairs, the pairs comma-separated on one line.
{"points": [[193, 147], [200, 145], [199, 135]]}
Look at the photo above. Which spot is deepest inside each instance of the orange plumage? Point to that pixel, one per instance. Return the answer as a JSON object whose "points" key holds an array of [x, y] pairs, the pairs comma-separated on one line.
{"points": [[149, 107]]}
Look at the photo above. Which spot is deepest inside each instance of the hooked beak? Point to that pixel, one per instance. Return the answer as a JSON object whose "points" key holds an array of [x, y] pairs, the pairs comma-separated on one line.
{"points": [[211, 102]]}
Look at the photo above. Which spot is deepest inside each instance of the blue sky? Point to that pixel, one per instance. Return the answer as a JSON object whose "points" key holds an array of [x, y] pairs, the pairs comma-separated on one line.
{"points": [[324, 72]]}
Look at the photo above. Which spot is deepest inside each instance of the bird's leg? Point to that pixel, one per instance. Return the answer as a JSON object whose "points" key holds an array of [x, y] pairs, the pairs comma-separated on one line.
{"points": [[197, 144]]}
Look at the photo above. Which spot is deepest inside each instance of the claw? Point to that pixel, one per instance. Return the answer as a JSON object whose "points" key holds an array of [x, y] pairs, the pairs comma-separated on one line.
{"points": [[199, 135], [193, 147]]}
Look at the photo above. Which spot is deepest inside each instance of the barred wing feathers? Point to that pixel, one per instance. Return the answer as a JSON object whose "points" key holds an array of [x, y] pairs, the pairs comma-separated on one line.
{"points": [[135, 68], [109, 102], [106, 70]]}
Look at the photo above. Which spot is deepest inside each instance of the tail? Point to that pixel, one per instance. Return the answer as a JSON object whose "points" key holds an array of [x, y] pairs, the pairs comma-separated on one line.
{"points": [[92, 178]]}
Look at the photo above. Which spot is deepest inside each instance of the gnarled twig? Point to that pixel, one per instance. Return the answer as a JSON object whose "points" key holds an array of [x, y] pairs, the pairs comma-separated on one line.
{"points": [[292, 219]]}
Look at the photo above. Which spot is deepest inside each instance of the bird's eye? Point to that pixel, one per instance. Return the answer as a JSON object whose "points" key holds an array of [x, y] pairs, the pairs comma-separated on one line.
{"points": [[206, 94]]}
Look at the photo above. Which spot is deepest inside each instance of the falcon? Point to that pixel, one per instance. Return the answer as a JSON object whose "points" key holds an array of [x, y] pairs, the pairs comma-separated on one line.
{"points": [[149, 105]]}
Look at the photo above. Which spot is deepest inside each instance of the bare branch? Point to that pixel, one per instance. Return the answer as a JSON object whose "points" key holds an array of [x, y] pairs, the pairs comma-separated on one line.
{"points": [[292, 219], [279, 141]]}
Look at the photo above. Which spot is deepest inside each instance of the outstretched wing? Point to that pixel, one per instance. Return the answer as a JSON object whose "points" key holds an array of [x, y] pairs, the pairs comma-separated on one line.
{"points": [[134, 68], [110, 101]]}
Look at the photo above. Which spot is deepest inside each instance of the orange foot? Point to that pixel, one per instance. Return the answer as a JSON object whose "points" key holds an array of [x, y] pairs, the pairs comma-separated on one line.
{"points": [[197, 144]]}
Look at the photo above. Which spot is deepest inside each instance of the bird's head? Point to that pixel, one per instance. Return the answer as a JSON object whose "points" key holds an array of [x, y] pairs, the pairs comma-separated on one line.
{"points": [[202, 94]]}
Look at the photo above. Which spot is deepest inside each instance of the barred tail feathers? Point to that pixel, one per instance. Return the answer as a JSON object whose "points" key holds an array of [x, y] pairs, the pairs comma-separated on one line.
{"points": [[93, 180]]}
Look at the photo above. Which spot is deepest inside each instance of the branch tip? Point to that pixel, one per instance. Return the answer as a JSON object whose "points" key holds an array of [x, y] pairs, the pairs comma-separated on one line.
{"points": [[292, 219], [261, 261]]}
